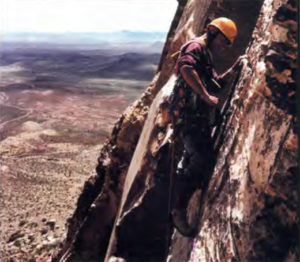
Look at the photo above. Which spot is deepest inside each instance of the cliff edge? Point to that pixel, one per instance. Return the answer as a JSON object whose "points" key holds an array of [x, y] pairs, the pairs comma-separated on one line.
{"points": [[248, 212]]}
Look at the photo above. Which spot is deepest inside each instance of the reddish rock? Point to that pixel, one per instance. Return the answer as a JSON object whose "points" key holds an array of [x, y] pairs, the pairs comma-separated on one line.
{"points": [[248, 210]]}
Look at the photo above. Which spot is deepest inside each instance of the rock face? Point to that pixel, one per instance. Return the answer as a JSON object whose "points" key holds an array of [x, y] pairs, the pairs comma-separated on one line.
{"points": [[248, 210]]}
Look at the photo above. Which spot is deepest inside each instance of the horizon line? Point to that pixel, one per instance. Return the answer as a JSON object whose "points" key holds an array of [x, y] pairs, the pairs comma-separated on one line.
{"points": [[84, 32]]}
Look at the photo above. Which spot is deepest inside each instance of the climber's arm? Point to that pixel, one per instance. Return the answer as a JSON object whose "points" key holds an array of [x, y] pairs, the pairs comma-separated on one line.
{"points": [[240, 61], [191, 77]]}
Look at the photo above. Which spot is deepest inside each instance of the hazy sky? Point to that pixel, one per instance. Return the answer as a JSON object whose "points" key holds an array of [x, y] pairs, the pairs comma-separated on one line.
{"points": [[86, 15]]}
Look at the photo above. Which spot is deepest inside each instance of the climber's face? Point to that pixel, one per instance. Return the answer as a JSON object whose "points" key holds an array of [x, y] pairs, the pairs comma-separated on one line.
{"points": [[218, 43]]}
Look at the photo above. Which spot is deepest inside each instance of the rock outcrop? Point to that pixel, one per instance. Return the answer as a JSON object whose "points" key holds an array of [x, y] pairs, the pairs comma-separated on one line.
{"points": [[248, 211]]}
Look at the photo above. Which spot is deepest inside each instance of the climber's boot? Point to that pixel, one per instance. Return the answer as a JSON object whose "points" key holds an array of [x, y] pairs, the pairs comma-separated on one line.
{"points": [[180, 223]]}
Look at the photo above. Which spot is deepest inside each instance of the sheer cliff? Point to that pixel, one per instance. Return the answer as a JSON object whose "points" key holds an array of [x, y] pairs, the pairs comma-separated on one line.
{"points": [[248, 210]]}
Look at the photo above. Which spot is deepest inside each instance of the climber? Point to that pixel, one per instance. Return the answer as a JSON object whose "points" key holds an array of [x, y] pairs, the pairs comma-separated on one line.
{"points": [[193, 107]]}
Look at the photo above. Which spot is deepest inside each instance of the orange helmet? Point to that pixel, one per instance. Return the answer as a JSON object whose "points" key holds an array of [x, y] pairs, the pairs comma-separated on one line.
{"points": [[226, 26]]}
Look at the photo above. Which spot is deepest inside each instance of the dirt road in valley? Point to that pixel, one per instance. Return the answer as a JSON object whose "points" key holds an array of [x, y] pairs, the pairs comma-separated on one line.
{"points": [[6, 108]]}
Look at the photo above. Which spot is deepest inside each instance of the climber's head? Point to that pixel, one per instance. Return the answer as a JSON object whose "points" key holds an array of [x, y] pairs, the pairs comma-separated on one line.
{"points": [[221, 32]]}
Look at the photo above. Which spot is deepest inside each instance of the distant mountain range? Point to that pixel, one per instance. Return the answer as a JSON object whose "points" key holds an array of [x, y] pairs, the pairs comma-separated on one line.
{"points": [[85, 38], [82, 69], [128, 41]]}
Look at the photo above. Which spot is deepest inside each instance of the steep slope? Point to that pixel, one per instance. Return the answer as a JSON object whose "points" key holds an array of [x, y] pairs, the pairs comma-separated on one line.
{"points": [[248, 211]]}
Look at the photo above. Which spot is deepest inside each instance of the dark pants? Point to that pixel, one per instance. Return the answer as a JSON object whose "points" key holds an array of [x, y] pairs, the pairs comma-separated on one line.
{"points": [[195, 166]]}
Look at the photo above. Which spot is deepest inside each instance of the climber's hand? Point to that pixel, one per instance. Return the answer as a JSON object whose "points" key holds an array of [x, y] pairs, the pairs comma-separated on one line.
{"points": [[240, 62], [243, 59], [212, 100]]}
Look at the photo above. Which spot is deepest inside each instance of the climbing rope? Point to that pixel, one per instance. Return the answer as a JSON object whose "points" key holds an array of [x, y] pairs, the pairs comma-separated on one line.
{"points": [[170, 189]]}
